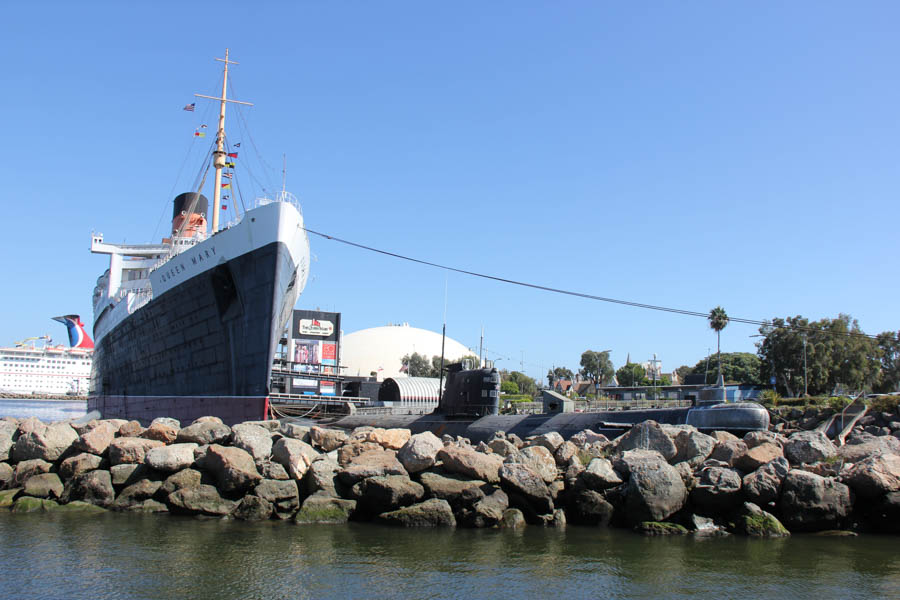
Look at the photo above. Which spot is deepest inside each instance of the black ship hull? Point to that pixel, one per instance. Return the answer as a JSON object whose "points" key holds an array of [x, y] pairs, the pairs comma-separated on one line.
{"points": [[204, 347]]}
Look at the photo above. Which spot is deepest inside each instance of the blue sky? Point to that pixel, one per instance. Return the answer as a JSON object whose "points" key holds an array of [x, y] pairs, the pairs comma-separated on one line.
{"points": [[686, 154]]}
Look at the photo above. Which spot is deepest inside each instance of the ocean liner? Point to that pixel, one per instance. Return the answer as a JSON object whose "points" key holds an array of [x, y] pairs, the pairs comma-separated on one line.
{"points": [[28, 369], [189, 326]]}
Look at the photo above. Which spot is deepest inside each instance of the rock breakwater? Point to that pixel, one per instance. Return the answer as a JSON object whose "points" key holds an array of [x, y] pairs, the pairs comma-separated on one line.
{"points": [[656, 479]]}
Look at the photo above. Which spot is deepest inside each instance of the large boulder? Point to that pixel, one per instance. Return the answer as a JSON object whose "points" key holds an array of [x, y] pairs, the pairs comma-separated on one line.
{"points": [[600, 475], [521, 481], [322, 477], [374, 463], [586, 437], [97, 439], [623, 463], [729, 451], [27, 469], [327, 440], [130, 429], [808, 447], [874, 475], [354, 448], [161, 432], [420, 452], [282, 494], [486, 512], [550, 440], [254, 439], [187, 478], [389, 439], [431, 513], [204, 499], [204, 432], [94, 487], [854, 453], [564, 453], [655, 491], [539, 459], [79, 463], [759, 455], [718, 490], [134, 497], [130, 450], [294, 431], [588, 507], [647, 436], [376, 495], [8, 432], [6, 474], [501, 446], [252, 508], [294, 455], [693, 447], [468, 462], [234, 469], [45, 485], [450, 487], [48, 443], [167, 421], [763, 486], [755, 438], [320, 508], [171, 458], [810, 502]]}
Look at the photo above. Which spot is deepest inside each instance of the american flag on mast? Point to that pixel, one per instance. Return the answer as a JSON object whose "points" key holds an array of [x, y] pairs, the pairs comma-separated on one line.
{"points": [[190, 107]]}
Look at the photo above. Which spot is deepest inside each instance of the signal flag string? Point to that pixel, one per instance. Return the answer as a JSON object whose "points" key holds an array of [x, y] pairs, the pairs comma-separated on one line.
{"points": [[679, 311]]}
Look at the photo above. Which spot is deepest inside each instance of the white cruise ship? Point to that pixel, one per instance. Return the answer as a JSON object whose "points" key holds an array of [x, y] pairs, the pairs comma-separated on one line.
{"points": [[28, 369]]}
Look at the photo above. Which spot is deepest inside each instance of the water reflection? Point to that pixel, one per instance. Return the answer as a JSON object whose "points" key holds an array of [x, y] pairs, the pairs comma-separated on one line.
{"points": [[129, 556]]}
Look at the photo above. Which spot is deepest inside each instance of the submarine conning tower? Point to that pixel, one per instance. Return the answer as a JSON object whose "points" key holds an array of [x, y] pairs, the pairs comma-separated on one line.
{"points": [[470, 392], [189, 215]]}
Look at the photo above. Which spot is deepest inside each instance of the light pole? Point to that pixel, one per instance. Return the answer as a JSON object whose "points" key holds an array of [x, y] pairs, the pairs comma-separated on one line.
{"points": [[805, 380]]}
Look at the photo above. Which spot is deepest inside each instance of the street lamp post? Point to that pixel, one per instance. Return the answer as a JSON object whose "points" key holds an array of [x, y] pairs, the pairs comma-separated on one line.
{"points": [[805, 380]]}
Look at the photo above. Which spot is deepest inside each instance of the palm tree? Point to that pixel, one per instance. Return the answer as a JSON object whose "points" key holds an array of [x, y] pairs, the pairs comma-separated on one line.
{"points": [[718, 319]]}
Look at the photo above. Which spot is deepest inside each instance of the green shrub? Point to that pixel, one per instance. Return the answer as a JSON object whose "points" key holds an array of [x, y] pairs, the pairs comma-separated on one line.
{"points": [[886, 404], [770, 398]]}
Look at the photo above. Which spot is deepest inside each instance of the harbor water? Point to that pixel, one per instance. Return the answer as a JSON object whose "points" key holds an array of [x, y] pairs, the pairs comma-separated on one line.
{"points": [[150, 556], [45, 410]]}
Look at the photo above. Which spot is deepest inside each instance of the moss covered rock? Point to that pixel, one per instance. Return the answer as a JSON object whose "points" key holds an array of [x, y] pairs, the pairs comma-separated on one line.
{"points": [[660, 528], [321, 508]]}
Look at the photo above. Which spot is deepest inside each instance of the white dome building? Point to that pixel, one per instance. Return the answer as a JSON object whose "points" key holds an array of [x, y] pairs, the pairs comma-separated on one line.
{"points": [[381, 349]]}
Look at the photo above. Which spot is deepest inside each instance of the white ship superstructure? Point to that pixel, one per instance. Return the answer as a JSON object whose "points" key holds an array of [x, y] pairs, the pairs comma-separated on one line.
{"points": [[55, 370]]}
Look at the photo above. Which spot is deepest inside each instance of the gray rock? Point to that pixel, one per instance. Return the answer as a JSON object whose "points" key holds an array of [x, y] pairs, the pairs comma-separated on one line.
{"points": [[79, 464], [590, 508], [94, 487], [522, 481], [294, 455], [380, 494], [809, 502], [729, 451], [319, 508], [551, 441], [27, 504], [327, 440], [161, 432], [204, 499], [49, 443], [374, 463], [539, 459], [234, 469], [624, 463], [253, 439], [503, 447], [207, 419], [122, 474], [755, 438], [132, 497], [204, 432], [272, 470], [8, 433], [470, 463], [282, 494], [559, 519], [647, 436], [188, 478], [130, 450], [856, 452], [600, 475], [45, 485], [130, 429], [564, 453], [512, 519], [693, 447], [875, 475], [420, 452], [755, 522], [27, 469], [167, 421], [687, 474], [718, 490], [449, 486], [294, 431], [758, 456], [488, 511], [654, 492], [322, 477], [97, 439], [808, 447], [253, 508], [586, 437], [6, 474], [764, 485], [270, 425], [171, 458], [431, 513]]}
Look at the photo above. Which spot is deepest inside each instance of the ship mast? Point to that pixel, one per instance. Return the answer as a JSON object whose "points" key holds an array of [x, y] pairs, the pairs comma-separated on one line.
{"points": [[219, 154]]}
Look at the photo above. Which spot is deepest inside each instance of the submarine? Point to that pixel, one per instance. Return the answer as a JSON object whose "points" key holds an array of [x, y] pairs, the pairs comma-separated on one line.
{"points": [[469, 407]]}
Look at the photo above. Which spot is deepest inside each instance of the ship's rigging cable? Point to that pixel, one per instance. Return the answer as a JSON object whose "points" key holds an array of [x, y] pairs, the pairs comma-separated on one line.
{"points": [[242, 126], [668, 309], [246, 129], [237, 185]]}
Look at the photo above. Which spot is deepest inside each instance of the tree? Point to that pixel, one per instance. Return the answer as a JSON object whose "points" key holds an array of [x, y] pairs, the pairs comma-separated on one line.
{"points": [[597, 366], [558, 373], [738, 367], [683, 371], [718, 319], [525, 384], [436, 363], [509, 387], [838, 355], [632, 374], [416, 365], [889, 351]]}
